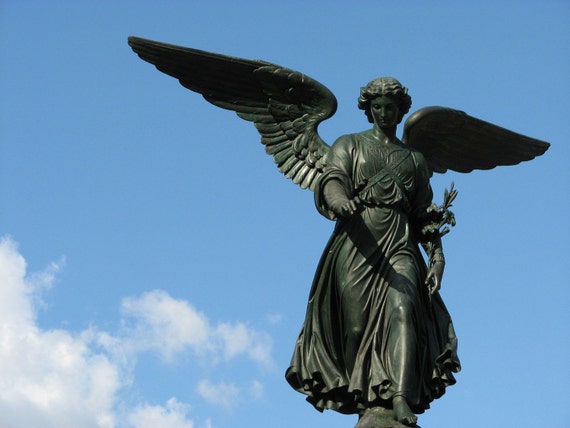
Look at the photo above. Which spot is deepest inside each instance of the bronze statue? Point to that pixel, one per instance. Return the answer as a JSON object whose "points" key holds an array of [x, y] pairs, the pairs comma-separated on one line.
{"points": [[377, 340]]}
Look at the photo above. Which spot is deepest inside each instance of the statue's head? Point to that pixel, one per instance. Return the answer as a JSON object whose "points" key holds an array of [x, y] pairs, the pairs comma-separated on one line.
{"points": [[384, 86]]}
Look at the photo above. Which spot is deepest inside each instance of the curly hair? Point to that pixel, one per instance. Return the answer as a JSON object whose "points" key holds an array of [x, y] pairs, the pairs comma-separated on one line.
{"points": [[384, 86]]}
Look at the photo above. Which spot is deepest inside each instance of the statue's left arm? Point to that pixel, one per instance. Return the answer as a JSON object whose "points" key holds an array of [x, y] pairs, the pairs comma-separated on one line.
{"points": [[430, 241], [436, 265]]}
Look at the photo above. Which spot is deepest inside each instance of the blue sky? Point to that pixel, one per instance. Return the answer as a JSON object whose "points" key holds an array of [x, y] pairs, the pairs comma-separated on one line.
{"points": [[154, 264]]}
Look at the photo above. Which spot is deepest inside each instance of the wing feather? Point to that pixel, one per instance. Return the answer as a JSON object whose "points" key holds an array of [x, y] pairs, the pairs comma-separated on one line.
{"points": [[451, 139], [285, 105], [289, 166], [301, 174], [309, 177], [286, 161], [272, 149]]}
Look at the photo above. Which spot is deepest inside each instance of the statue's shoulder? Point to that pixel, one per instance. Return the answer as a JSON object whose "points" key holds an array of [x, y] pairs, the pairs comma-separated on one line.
{"points": [[420, 160], [417, 154], [350, 140]]}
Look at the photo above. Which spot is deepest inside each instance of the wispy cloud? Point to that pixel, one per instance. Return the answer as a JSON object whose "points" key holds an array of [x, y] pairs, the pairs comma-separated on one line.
{"points": [[61, 379], [157, 322], [172, 415], [274, 319], [256, 390], [221, 394], [239, 339]]}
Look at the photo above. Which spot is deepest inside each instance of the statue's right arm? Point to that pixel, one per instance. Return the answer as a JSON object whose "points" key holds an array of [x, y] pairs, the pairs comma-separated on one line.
{"points": [[336, 189]]}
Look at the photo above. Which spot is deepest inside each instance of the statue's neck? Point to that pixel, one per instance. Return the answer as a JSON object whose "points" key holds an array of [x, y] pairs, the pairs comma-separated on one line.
{"points": [[384, 135]]}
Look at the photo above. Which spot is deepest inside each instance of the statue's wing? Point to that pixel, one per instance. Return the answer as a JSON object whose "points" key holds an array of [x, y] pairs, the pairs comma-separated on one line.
{"points": [[451, 139], [285, 106]]}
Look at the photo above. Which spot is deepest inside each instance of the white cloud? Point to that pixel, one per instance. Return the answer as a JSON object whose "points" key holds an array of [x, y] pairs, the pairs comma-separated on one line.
{"points": [[220, 394], [59, 379], [173, 415], [256, 390], [165, 325], [274, 319], [238, 339], [157, 322], [229, 395], [15, 293], [49, 378]]}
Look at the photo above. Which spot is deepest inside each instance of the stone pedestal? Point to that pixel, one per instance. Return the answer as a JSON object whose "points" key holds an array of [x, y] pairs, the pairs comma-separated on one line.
{"points": [[380, 418]]}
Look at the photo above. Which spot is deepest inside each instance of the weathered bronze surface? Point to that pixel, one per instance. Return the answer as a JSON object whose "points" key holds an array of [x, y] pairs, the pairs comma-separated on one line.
{"points": [[377, 340]]}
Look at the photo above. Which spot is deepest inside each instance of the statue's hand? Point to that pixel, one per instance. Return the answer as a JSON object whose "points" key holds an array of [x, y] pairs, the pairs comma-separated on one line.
{"points": [[351, 207], [434, 276]]}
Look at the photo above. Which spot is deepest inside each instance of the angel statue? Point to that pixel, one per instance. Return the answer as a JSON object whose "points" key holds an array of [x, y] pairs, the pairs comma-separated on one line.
{"points": [[377, 340]]}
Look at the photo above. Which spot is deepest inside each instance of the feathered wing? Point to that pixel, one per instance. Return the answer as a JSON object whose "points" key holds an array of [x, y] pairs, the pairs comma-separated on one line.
{"points": [[285, 106], [451, 139]]}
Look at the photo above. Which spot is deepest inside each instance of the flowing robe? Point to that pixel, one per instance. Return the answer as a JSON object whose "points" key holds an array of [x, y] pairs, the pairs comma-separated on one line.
{"points": [[371, 330]]}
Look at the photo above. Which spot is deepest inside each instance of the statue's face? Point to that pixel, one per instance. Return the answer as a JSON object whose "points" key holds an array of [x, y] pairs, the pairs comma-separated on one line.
{"points": [[385, 111]]}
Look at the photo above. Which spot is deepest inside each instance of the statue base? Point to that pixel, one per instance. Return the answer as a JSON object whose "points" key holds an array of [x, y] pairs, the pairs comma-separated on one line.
{"points": [[379, 417]]}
